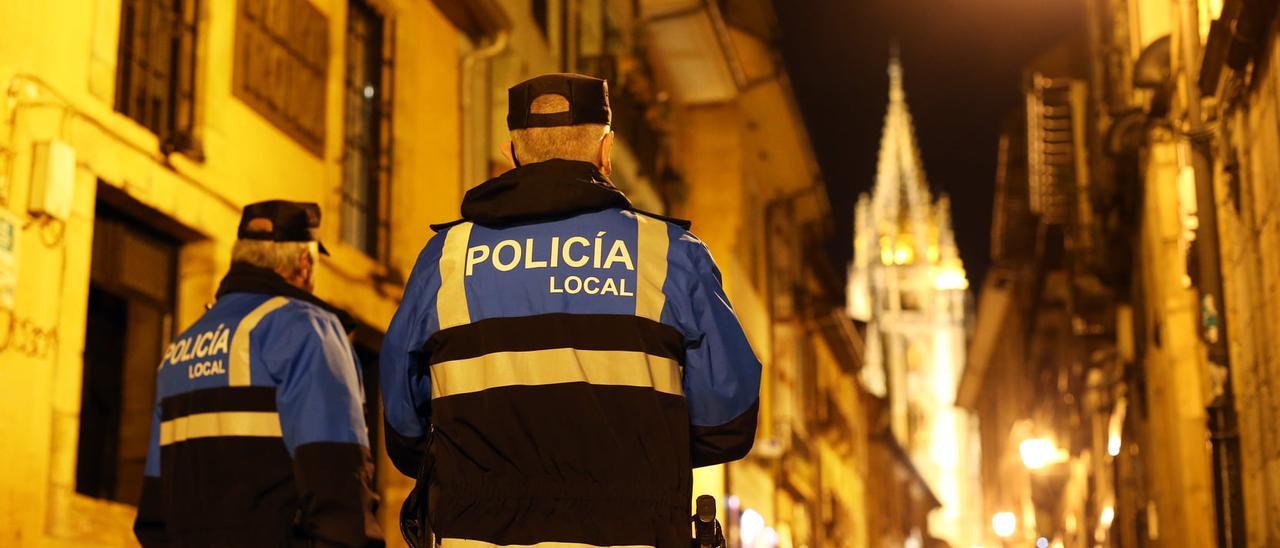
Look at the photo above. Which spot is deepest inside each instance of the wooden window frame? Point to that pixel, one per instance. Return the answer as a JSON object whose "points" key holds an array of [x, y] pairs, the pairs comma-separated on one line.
{"points": [[367, 136]]}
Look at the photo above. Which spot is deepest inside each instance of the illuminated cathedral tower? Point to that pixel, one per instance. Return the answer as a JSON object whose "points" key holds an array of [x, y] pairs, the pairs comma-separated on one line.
{"points": [[908, 284]]}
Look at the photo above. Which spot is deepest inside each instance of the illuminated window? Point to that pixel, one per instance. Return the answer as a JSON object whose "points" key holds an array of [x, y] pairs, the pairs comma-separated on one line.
{"points": [[366, 142], [155, 75]]}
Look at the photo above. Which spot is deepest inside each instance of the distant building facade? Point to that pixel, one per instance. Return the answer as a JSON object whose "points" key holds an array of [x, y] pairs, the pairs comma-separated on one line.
{"points": [[908, 284], [1136, 256]]}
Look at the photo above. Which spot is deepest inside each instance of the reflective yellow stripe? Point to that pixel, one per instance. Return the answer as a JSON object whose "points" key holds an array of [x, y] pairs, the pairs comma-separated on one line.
{"points": [[261, 424], [652, 241], [451, 301], [555, 366], [238, 374], [463, 543]]}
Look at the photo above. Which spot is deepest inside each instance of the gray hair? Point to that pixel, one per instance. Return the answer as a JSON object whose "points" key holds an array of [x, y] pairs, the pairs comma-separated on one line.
{"points": [[539, 144], [281, 257]]}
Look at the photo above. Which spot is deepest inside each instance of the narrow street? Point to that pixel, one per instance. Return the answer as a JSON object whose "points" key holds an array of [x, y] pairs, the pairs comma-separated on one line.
{"points": [[1010, 269]]}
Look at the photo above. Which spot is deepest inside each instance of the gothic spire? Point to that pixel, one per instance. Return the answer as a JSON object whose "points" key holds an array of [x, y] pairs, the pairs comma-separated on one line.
{"points": [[900, 190], [896, 95]]}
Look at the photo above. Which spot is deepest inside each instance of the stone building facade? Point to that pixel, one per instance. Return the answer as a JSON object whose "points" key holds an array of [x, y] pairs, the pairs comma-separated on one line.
{"points": [[1149, 141], [133, 131]]}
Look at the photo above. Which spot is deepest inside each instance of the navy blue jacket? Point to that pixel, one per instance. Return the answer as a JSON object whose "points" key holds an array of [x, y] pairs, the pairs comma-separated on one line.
{"points": [[259, 435], [570, 359]]}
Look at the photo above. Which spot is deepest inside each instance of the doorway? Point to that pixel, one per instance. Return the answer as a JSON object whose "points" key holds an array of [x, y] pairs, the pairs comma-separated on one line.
{"points": [[130, 320]]}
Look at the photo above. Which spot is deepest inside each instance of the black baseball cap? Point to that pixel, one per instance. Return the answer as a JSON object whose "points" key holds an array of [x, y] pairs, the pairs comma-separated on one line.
{"points": [[281, 221], [588, 101]]}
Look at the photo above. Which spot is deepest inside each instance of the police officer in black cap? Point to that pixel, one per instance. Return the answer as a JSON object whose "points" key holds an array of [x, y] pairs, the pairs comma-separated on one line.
{"points": [[259, 436], [562, 360]]}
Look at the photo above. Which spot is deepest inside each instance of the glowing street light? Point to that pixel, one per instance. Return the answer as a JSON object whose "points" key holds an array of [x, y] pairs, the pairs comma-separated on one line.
{"points": [[1038, 453], [750, 526], [950, 278], [1108, 516], [1105, 519], [1115, 428], [768, 538], [1113, 445], [1004, 524], [903, 254]]}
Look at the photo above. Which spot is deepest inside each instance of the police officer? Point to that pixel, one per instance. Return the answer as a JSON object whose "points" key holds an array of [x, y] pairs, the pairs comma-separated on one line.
{"points": [[259, 437], [561, 359]]}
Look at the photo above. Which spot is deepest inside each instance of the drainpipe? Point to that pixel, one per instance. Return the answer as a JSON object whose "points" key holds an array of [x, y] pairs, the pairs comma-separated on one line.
{"points": [[466, 74], [1223, 432]]}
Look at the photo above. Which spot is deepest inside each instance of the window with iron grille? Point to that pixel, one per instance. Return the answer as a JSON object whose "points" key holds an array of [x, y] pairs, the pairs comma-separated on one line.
{"points": [[367, 134], [155, 76]]}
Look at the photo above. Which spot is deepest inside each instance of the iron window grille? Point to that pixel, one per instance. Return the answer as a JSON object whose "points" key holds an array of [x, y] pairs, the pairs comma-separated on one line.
{"points": [[367, 97], [156, 70]]}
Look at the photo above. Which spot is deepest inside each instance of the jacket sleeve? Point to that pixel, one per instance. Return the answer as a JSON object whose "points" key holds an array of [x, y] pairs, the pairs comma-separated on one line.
{"points": [[149, 525], [722, 373], [405, 376], [320, 400]]}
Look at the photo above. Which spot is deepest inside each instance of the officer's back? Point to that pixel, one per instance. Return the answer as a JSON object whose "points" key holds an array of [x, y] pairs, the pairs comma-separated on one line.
{"points": [[258, 437], [575, 357]]}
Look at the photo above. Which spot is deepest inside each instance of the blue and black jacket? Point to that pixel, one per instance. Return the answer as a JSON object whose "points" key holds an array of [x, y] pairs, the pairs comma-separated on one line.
{"points": [[259, 435], [570, 359]]}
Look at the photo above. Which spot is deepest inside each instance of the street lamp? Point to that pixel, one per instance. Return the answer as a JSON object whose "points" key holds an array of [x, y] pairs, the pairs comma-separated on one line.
{"points": [[1004, 524], [751, 525], [1105, 520], [1038, 453], [1108, 516], [1115, 428]]}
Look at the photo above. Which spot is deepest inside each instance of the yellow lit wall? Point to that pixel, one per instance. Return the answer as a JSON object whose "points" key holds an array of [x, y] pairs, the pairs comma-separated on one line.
{"points": [[1250, 235], [1180, 482], [58, 66], [1149, 20]]}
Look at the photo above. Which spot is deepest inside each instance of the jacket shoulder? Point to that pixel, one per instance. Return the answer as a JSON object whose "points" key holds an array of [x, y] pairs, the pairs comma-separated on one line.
{"points": [[441, 227], [682, 223], [300, 311]]}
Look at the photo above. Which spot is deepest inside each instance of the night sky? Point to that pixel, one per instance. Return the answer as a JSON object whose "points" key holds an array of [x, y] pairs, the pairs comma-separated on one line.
{"points": [[962, 63]]}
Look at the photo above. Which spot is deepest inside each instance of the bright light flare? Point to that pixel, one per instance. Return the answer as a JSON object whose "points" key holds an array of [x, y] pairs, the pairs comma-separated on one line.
{"points": [[903, 254], [1113, 445], [950, 278], [1038, 453], [751, 526], [768, 538], [1115, 428], [1108, 515], [1004, 524]]}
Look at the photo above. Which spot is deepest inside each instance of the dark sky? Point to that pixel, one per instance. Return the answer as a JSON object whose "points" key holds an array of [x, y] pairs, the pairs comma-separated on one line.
{"points": [[962, 61]]}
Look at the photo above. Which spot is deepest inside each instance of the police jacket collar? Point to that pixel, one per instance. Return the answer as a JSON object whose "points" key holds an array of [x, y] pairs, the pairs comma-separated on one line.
{"points": [[247, 278], [540, 192]]}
